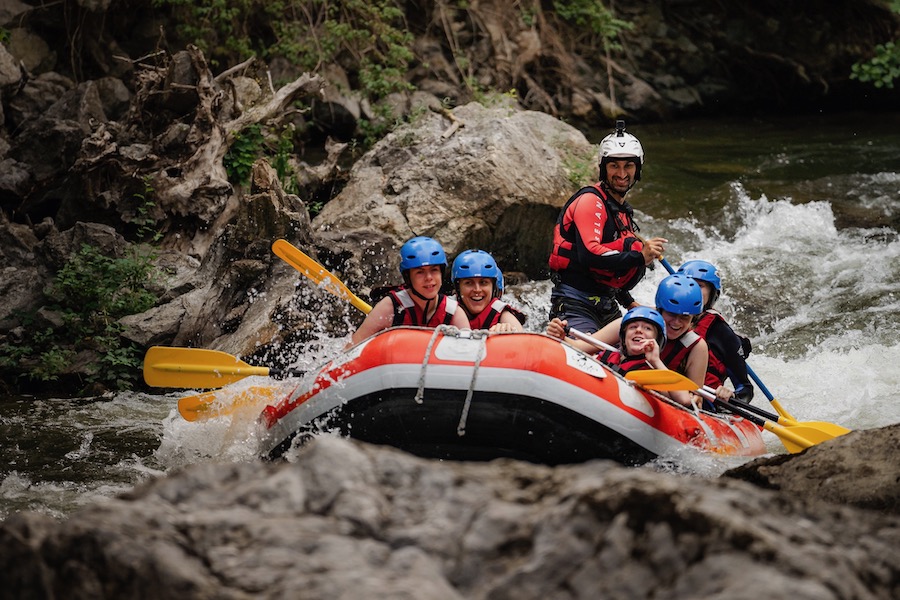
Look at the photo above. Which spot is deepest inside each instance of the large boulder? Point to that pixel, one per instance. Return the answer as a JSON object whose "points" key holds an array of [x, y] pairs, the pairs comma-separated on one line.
{"points": [[348, 520], [492, 177]]}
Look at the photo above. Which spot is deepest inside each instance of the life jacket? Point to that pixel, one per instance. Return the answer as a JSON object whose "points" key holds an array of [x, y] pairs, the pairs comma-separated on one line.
{"points": [[407, 312], [716, 372], [490, 316], [563, 257], [675, 352], [624, 364]]}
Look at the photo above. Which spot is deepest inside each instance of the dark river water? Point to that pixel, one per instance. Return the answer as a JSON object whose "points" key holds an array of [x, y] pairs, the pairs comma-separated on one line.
{"points": [[800, 214]]}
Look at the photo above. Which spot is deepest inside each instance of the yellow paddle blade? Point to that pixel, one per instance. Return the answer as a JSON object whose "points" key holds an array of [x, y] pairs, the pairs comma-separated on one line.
{"points": [[166, 366], [317, 273], [662, 380], [830, 429], [797, 438], [222, 402]]}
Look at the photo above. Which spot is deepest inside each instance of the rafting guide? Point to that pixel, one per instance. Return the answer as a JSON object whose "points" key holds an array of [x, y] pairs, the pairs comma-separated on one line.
{"points": [[597, 256]]}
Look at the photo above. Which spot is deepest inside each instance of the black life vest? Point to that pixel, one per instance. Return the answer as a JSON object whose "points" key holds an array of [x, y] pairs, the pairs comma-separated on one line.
{"points": [[563, 257]]}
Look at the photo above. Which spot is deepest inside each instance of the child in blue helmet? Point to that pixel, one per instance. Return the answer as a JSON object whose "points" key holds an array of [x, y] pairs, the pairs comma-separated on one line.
{"points": [[642, 334], [419, 301], [478, 283], [727, 350], [678, 301]]}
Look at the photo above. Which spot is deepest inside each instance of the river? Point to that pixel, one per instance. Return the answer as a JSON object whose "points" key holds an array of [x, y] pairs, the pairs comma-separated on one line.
{"points": [[800, 214]]}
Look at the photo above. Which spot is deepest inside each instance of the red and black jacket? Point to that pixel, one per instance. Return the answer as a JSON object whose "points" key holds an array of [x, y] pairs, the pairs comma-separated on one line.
{"points": [[594, 244]]}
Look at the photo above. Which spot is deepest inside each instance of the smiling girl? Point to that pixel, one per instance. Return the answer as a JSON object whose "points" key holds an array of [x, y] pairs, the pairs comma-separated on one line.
{"points": [[479, 285]]}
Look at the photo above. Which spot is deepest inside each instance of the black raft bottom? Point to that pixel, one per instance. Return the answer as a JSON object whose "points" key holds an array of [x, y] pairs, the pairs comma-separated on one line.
{"points": [[497, 426]]}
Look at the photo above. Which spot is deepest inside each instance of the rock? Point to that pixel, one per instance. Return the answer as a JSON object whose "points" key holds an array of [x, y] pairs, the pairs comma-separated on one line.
{"points": [[858, 469], [466, 189], [344, 517], [30, 48], [10, 72]]}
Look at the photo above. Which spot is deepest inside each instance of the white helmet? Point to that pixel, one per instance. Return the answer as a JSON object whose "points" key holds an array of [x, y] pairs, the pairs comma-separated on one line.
{"points": [[621, 145]]}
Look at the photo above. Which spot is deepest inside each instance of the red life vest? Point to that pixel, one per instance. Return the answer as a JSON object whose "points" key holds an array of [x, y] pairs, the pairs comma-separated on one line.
{"points": [[626, 363], [490, 316], [407, 312], [716, 372], [617, 224], [675, 353]]}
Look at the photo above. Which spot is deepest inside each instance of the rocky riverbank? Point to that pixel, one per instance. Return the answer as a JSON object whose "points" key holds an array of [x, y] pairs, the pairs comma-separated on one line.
{"points": [[344, 519]]}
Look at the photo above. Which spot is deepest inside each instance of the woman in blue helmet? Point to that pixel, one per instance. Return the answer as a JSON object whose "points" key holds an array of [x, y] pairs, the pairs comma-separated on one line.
{"points": [[478, 283], [419, 301], [680, 301], [727, 350]]}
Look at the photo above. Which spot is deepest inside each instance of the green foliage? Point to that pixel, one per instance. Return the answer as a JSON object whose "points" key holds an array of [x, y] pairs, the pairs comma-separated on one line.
{"points": [[89, 294], [883, 68], [594, 17], [368, 38], [253, 143], [581, 170], [246, 148], [284, 148], [94, 285], [143, 219]]}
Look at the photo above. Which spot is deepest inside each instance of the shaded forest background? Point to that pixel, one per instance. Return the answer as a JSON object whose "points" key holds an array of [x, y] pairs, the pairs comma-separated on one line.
{"points": [[109, 118]]}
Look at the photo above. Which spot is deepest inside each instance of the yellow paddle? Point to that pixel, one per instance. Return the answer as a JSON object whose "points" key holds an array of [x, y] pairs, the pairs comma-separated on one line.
{"points": [[166, 366], [827, 428], [795, 435], [192, 367], [216, 404], [316, 272]]}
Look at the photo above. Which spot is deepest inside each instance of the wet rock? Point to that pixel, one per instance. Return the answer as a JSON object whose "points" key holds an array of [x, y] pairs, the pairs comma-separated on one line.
{"points": [[343, 517], [457, 177], [858, 469]]}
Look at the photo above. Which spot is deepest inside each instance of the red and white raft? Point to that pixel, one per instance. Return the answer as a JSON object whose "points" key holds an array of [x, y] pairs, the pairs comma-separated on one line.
{"points": [[466, 395]]}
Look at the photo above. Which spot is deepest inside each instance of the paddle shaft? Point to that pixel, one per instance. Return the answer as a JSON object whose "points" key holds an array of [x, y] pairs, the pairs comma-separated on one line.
{"points": [[590, 339], [317, 273]]}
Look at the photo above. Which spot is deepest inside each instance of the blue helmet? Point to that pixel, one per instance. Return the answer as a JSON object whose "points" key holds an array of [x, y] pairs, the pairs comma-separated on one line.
{"points": [[703, 271], [644, 313], [421, 251], [477, 263], [680, 295]]}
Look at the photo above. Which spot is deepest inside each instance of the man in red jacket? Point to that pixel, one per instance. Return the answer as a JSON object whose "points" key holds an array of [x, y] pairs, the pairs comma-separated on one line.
{"points": [[597, 257]]}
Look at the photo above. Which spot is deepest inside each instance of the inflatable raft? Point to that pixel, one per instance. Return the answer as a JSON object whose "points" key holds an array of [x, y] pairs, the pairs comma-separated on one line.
{"points": [[470, 395]]}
